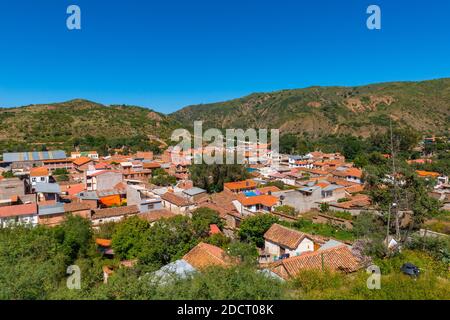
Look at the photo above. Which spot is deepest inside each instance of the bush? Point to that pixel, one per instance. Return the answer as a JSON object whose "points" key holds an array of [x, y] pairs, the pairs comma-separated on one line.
{"points": [[437, 247], [324, 207], [287, 210]]}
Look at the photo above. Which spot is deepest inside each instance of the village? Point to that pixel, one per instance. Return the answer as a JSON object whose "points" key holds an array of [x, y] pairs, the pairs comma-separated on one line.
{"points": [[324, 191]]}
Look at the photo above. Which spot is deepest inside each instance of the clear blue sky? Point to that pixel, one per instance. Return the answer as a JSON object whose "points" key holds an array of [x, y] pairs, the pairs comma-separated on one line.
{"points": [[167, 54]]}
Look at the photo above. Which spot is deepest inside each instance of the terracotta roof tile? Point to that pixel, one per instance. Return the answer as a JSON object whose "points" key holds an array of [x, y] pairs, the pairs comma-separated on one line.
{"points": [[265, 200], [156, 215], [39, 172], [266, 190], [421, 173], [152, 165], [115, 212], [206, 255], [81, 161], [103, 242], [335, 259], [18, 210], [239, 185], [285, 237], [179, 201], [77, 206]]}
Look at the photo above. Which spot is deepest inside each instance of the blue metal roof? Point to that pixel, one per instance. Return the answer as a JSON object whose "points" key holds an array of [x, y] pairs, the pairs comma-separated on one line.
{"points": [[34, 156]]}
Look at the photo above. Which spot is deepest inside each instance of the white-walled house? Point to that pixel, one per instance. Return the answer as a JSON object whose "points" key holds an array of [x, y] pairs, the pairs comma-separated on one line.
{"points": [[115, 214], [24, 214], [280, 240], [39, 175], [177, 203]]}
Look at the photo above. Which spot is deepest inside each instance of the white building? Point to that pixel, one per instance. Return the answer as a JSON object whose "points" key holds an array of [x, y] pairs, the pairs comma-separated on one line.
{"points": [[39, 175], [90, 154], [280, 240], [24, 214]]}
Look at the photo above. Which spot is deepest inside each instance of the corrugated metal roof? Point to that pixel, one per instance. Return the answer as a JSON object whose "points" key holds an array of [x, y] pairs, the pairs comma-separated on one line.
{"points": [[194, 191], [34, 156], [47, 188], [178, 268], [51, 209]]}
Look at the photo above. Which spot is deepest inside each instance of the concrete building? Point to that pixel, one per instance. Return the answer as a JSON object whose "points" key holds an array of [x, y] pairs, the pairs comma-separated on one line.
{"points": [[102, 180], [144, 199]]}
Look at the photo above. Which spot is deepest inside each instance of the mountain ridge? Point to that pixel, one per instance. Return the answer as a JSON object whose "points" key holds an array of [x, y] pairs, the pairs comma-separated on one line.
{"points": [[311, 112], [356, 110]]}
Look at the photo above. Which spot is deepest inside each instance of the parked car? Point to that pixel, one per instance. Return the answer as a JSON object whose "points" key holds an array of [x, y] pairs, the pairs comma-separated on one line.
{"points": [[410, 270]]}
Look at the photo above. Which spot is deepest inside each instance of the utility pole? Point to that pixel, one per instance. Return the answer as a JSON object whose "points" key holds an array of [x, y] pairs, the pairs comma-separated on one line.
{"points": [[395, 191]]}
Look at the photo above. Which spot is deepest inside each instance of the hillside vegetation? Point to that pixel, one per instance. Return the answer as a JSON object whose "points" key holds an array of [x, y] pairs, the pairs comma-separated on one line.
{"points": [[319, 111], [312, 113], [80, 122]]}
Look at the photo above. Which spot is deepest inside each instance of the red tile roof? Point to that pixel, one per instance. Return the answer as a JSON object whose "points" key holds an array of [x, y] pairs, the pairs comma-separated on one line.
{"points": [[152, 165], [355, 188], [103, 242], [144, 155], [102, 165], [335, 259], [81, 161], [206, 255], [266, 190], [39, 172], [73, 189], [285, 237], [239, 185], [421, 173], [19, 210], [350, 172], [179, 201], [115, 212], [265, 200], [156, 215], [77, 206], [214, 229]]}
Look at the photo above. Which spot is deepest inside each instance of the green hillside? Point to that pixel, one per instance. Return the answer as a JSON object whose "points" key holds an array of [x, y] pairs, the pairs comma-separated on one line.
{"points": [[319, 111], [312, 112], [80, 122]]}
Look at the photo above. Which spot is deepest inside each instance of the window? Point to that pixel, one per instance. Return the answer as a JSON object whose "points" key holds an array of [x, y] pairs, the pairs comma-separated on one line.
{"points": [[33, 179], [151, 206], [42, 179]]}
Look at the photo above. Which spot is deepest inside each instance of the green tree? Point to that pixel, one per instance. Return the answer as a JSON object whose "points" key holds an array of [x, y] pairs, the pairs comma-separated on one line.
{"points": [[212, 177], [161, 178], [129, 237], [252, 229], [202, 218], [245, 252], [167, 240], [32, 263], [75, 235]]}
